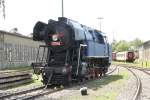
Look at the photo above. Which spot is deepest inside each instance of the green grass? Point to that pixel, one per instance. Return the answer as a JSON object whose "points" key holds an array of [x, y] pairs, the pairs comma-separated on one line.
{"points": [[19, 68], [109, 79], [96, 90], [142, 63], [37, 79], [107, 95], [111, 95], [136, 63]]}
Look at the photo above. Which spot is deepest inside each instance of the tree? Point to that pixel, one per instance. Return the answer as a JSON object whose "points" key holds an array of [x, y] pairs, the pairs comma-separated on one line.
{"points": [[114, 45], [14, 30], [122, 46], [2, 6], [136, 43]]}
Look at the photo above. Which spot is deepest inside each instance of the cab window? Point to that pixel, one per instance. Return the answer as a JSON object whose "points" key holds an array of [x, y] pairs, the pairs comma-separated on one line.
{"points": [[98, 37]]}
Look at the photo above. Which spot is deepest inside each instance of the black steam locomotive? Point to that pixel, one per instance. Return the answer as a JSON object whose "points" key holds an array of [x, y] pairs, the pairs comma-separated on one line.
{"points": [[74, 52]]}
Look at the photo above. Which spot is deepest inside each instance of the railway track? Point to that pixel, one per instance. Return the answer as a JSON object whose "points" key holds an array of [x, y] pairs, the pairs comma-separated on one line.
{"points": [[9, 94], [139, 68], [144, 78], [138, 84], [145, 70], [12, 79], [38, 91], [142, 69], [36, 94], [28, 94], [14, 71], [111, 71]]}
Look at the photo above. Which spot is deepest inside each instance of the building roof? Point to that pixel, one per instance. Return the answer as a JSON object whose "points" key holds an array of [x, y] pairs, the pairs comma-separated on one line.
{"points": [[15, 34], [145, 45], [147, 42]]}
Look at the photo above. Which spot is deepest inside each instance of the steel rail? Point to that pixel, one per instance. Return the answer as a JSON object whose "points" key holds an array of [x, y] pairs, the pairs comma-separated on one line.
{"points": [[112, 70], [138, 82], [44, 92], [6, 96]]}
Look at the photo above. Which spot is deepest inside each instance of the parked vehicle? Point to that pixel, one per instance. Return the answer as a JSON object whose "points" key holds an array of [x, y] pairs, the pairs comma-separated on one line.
{"points": [[74, 51], [125, 56]]}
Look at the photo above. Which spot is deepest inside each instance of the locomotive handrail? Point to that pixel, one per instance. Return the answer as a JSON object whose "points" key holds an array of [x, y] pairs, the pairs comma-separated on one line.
{"points": [[43, 55], [81, 45]]}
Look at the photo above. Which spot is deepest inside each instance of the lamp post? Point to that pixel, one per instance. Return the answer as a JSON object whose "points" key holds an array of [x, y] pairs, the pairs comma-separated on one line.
{"points": [[100, 18], [62, 7]]}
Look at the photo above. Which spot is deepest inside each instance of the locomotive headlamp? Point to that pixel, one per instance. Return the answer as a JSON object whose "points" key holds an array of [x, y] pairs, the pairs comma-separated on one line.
{"points": [[83, 45], [55, 37]]}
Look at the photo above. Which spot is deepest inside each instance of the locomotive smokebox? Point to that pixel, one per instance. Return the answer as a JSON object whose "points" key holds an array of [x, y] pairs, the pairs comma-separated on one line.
{"points": [[39, 31], [58, 36]]}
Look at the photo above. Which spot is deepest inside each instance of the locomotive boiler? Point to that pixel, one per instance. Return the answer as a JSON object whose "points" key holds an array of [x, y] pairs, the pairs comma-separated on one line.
{"points": [[72, 51]]}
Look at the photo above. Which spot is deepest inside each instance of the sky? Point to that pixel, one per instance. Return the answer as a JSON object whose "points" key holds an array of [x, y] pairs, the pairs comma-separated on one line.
{"points": [[122, 19]]}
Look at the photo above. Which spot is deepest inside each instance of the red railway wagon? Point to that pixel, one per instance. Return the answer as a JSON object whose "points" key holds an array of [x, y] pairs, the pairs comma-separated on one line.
{"points": [[125, 56], [114, 56]]}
